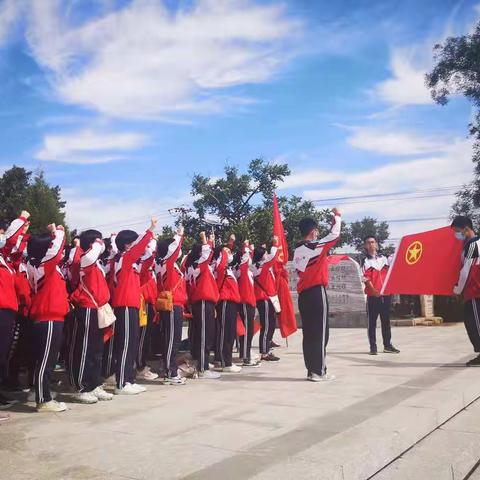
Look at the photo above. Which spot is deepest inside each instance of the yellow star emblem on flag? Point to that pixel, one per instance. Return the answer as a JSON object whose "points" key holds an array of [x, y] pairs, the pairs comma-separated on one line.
{"points": [[414, 252]]}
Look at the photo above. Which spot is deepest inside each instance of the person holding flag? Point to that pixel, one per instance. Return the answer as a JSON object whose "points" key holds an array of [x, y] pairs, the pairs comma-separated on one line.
{"points": [[374, 269], [310, 261], [469, 281]]}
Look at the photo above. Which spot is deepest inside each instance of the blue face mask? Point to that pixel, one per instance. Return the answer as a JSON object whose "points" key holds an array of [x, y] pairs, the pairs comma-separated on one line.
{"points": [[459, 236]]}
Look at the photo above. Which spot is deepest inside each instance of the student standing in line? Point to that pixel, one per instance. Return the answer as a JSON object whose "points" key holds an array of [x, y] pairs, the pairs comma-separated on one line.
{"points": [[203, 298], [48, 310], [310, 261], [468, 283], [86, 343], [227, 309], [171, 279], [9, 234], [247, 302], [148, 282], [375, 268], [126, 304], [265, 293]]}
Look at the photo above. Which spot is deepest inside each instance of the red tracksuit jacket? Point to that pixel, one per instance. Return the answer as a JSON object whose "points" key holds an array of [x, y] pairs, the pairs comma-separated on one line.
{"points": [[375, 269], [127, 289], [8, 295], [226, 282], [169, 276], [310, 262], [49, 290], [469, 278], [148, 280], [264, 278], [202, 282], [92, 278], [245, 279]]}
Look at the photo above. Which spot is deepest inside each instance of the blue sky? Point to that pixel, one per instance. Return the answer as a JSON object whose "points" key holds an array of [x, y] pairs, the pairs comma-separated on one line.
{"points": [[121, 101]]}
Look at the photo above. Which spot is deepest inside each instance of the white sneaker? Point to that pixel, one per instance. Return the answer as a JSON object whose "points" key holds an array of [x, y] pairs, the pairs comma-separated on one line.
{"points": [[146, 374], [175, 380], [327, 377], [128, 389], [209, 375], [85, 397], [139, 388], [232, 369], [51, 406], [101, 394], [251, 363]]}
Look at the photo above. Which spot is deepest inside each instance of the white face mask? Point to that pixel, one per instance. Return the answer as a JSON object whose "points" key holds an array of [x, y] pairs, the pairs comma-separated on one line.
{"points": [[102, 249], [3, 240]]}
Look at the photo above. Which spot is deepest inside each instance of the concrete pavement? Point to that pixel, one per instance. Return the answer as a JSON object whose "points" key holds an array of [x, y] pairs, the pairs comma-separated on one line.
{"points": [[266, 423]]}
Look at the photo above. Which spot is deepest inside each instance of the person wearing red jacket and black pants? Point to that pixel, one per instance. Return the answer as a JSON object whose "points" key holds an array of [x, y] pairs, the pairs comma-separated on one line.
{"points": [[204, 295], [171, 279], [247, 302], [375, 268], [86, 343], [265, 290], [9, 235], [48, 310], [227, 308], [148, 283], [468, 283], [126, 304], [310, 261]]}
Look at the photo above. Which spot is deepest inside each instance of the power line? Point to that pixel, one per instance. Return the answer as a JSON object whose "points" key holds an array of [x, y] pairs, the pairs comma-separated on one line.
{"points": [[406, 194]]}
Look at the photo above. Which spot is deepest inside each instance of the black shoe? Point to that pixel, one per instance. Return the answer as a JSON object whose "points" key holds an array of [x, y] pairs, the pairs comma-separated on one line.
{"points": [[274, 345], [474, 362], [373, 351], [270, 357], [391, 349]]}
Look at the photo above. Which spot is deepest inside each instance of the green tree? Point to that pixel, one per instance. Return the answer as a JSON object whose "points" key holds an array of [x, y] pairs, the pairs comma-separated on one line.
{"points": [[358, 230], [19, 191], [233, 201], [14, 184], [457, 71], [44, 204]]}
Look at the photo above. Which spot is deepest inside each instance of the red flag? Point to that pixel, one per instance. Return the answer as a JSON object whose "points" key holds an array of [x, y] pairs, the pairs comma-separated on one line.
{"points": [[279, 232], [426, 263], [336, 259], [287, 320]]}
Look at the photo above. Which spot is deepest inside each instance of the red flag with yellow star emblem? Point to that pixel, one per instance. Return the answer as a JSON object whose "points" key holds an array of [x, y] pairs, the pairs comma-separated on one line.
{"points": [[426, 263]]}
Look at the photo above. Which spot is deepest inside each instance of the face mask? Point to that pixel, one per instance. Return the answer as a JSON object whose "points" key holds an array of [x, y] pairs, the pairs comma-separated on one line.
{"points": [[102, 249], [3, 240], [459, 236]]}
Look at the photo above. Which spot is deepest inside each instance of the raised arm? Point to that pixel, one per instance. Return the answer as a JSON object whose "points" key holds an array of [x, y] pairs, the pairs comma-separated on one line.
{"points": [[53, 255], [92, 254]]}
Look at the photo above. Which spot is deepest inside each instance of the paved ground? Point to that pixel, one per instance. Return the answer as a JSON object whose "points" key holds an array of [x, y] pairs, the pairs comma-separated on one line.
{"points": [[383, 416]]}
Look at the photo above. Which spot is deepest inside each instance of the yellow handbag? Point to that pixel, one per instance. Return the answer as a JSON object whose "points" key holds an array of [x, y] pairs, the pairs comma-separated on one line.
{"points": [[165, 301], [142, 314]]}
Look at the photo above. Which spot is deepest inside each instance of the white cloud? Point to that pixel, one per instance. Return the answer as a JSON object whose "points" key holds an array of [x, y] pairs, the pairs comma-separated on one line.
{"points": [[88, 146], [427, 174], [388, 142], [10, 11], [143, 61], [407, 84]]}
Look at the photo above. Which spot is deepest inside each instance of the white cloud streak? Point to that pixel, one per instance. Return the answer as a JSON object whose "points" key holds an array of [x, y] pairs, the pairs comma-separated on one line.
{"points": [[143, 61], [88, 147]]}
